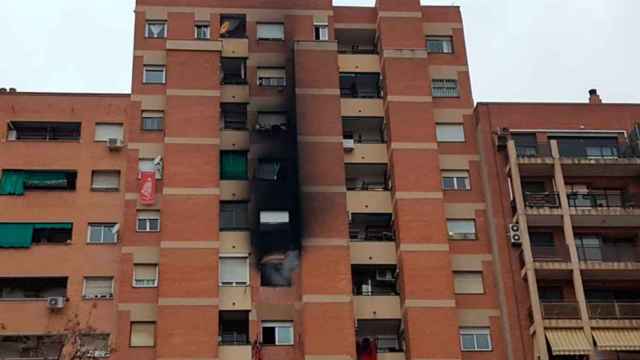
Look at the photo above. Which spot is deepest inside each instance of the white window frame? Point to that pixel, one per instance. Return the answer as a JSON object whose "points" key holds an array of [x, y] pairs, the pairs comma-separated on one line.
{"points": [[439, 136], [235, 283], [104, 188], [141, 216], [84, 287], [456, 175], [442, 38], [481, 291], [151, 114], [323, 31], [104, 228], [154, 68], [133, 278], [157, 168], [475, 332], [201, 24], [462, 236], [279, 325], [147, 32], [270, 24]]}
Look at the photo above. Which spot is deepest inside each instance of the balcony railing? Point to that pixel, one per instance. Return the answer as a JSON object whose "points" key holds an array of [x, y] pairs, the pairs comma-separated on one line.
{"points": [[614, 310], [534, 150], [542, 200], [560, 310], [543, 149], [547, 253], [372, 234], [233, 338]]}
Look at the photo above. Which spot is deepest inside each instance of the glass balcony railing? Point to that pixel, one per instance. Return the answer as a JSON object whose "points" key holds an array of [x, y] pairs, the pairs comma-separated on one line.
{"points": [[614, 310]]}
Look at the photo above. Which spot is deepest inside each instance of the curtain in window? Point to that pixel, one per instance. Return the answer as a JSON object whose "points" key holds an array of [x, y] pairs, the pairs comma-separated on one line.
{"points": [[233, 165], [12, 182]]}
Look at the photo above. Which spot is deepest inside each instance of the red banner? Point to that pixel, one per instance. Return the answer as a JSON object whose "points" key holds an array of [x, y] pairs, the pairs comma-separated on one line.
{"points": [[147, 187]]}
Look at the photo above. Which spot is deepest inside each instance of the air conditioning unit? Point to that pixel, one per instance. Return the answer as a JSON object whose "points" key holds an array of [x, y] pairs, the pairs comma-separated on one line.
{"points": [[55, 302], [348, 144], [384, 275], [115, 144], [514, 234]]}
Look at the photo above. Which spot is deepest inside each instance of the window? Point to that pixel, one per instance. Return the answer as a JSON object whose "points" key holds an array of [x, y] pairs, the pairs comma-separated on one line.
{"points": [[98, 288], [234, 216], [202, 30], [450, 132], [15, 182], [321, 30], [156, 29], [105, 180], [233, 26], [148, 221], [234, 271], [43, 131], [145, 275], [272, 77], [105, 132], [444, 88], [440, 44], [103, 234], [148, 165], [234, 116], [461, 229], [271, 121], [541, 240], [274, 220], [455, 180], [95, 344], [60, 233], [23, 235], [468, 282], [360, 85], [152, 120], [277, 333], [475, 339], [269, 170], [273, 31], [233, 165], [589, 248], [526, 144], [233, 327], [143, 334], [154, 74], [233, 71]]}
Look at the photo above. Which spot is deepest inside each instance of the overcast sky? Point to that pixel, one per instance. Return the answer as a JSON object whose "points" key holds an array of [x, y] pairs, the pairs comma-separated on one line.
{"points": [[542, 50]]}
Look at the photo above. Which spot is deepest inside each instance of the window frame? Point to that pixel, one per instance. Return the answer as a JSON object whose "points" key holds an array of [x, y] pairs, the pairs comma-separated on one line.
{"points": [[98, 124], [147, 227], [151, 114], [103, 227], [132, 324], [467, 180], [451, 125], [202, 24], [110, 296], [459, 292], [444, 87], [462, 236], [269, 23], [441, 38], [475, 332], [105, 189], [259, 79], [278, 325], [320, 31], [155, 68], [235, 228], [147, 33], [235, 283], [158, 169], [142, 286]]}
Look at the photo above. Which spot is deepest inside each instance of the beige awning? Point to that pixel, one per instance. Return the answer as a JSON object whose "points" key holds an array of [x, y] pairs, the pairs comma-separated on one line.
{"points": [[617, 339], [568, 341]]}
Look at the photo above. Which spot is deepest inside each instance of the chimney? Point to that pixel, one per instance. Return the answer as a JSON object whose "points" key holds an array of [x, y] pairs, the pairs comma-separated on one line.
{"points": [[594, 98]]}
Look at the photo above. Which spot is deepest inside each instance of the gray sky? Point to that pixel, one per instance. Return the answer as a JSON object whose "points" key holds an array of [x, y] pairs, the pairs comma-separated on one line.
{"points": [[542, 50]]}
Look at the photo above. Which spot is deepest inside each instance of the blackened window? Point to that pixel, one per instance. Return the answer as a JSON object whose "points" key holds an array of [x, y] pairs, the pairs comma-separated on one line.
{"points": [[234, 71], [233, 26], [234, 116]]}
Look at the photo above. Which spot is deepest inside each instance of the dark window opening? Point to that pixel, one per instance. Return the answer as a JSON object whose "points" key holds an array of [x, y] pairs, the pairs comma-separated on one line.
{"points": [[44, 131], [534, 187], [588, 147], [360, 85], [385, 335], [33, 288], [374, 280], [23, 235], [550, 294], [51, 236], [234, 116], [234, 215], [234, 328], [269, 335], [271, 170], [526, 144], [276, 270], [233, 26], [234, 71], [365, 130], [356, 41], [367, 177], [371, 227]]}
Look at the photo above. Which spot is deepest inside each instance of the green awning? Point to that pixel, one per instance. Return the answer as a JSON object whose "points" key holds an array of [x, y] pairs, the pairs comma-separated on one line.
{"points": [[233, 165], [12, 182], [65, 226], [16, 235]]}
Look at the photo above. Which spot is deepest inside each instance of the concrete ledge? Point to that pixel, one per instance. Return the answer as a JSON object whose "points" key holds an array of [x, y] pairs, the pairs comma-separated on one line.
{"points": [[444, 303], [316, 45], [406, 195], [413, 146], [192, 141], [403, 98], [188, 301], [409, 14], [193, 92], [424, 247], [194, 45], [405, 53], [190, 244], [326, 298]]}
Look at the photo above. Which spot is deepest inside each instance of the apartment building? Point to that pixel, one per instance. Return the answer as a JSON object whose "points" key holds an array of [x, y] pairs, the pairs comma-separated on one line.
{"points": [[287, 179], [562, 179]]}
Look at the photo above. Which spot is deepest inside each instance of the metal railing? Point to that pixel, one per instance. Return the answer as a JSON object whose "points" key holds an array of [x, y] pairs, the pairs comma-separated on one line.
{"points": [[372, 234], [547, 253], [543, 149], [234, 338], [614, 310], [533, 150], [603, 199], [374, 290], [542, 200], [560, 310]]}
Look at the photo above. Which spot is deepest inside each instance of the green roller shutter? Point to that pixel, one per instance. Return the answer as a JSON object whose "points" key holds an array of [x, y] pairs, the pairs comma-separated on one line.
{"points": [[12, 182], [16, 235], [65, 226], [42, 179], [233, 165]]}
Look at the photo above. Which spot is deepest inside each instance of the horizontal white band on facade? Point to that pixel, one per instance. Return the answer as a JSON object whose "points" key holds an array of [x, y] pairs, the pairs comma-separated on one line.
{"points": [[194, 45], [361, 26], [211, 244], [316, 45], [414, 146], [403, 98], [406, 195], [443, 303], [309, 91], [405, 53], [424, 247], [166, 301], [191, 191], [326, 298], [405, 14], [192, 140]]}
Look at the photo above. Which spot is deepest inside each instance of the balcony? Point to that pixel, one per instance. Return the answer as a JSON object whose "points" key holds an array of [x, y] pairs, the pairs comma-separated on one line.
{"points": [[356, 41], [43, 131], [614, 310], [233, 329], [377, 307], [560, 310], [371, 227], [385, 333], [548, 254], [360, 85], [235, 298], [234, 352]]}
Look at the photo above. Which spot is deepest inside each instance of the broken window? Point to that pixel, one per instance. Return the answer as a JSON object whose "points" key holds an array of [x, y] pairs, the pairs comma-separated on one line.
{"points": [[271, 121], [233, 327]]}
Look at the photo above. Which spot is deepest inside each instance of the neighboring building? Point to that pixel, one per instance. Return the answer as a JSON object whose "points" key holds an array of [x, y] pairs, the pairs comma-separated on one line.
{"points": [[566, 174]]}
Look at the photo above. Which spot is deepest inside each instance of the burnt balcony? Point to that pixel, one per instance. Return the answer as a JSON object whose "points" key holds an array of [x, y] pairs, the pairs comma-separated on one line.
{"points": [[616, 310], [560, 310], [371, 227]]}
